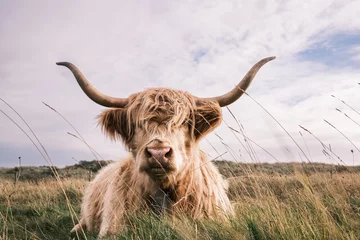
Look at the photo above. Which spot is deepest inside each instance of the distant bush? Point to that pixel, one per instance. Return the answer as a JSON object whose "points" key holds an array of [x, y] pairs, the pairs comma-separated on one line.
{"points": [[94, 165]]}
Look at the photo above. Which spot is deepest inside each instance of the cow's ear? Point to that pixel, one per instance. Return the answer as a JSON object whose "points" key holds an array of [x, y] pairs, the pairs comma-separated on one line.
{"points": [[115, 125], [207, 117]]}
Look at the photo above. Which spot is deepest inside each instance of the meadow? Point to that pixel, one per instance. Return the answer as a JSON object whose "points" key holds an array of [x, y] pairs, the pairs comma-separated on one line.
{"points": [[272, 201]]}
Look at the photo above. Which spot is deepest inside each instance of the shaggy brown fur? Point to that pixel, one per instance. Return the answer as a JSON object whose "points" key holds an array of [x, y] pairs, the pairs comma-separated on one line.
{"points": [[174, 119]]}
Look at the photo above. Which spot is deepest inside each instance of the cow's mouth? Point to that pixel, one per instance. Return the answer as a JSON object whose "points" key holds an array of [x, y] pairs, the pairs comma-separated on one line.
{"points": [[159, 173]]}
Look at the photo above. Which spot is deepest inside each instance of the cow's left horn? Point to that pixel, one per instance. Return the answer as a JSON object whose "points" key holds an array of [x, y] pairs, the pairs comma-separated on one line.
{"points": [[236, 93], [92, 92]]}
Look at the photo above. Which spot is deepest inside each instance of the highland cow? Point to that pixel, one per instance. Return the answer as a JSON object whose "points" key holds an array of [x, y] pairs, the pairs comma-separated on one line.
{"points": [[166, 171]]}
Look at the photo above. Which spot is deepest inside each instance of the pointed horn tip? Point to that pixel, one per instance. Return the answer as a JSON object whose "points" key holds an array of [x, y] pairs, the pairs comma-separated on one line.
{"points": [[270, 58], [266, 60], [63, 63]]}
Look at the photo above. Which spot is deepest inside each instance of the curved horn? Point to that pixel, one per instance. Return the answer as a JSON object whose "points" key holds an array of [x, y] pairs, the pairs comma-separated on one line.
{"points": [[236, 93], [92, 92]]}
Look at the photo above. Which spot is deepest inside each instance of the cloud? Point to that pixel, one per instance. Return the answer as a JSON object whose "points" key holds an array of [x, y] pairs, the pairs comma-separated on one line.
{"points": [[203, 47]]}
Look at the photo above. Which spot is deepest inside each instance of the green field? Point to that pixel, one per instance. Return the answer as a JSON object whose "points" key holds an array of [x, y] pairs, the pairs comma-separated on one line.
{"points": [[272, 201]]}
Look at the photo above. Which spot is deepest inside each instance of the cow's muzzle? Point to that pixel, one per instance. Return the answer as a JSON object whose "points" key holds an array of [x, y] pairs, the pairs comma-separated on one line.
{"points": [[159, 155]]}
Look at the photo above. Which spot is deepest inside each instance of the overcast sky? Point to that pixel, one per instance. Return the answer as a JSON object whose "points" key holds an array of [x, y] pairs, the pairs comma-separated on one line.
{"points": [[203, 47]]}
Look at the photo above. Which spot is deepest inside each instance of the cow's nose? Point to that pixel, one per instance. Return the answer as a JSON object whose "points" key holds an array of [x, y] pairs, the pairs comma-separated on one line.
{"points": [[158, 155]]}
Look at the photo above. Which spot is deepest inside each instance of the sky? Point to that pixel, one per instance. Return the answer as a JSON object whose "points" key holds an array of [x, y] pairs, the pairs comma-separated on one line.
{"points": [[203, 47]]}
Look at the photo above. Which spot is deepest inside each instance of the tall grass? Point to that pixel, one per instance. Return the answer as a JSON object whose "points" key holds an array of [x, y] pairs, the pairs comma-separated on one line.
{"points": [[297, 205], [38, 210]]}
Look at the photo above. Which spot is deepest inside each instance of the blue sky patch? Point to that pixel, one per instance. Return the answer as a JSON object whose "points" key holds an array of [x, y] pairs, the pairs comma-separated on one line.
{"points": [[197, 55], [336, 51]]}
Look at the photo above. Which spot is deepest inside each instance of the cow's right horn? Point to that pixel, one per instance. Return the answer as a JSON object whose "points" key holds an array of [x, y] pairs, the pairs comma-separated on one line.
{"points": [[236, 93], [91, 91]]}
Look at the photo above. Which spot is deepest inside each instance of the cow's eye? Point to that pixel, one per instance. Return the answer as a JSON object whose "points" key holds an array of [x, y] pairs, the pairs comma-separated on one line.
{"points": [[132, 147]]}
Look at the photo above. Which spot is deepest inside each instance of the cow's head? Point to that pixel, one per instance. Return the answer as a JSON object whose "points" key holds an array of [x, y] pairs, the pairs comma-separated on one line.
{"points": [[160, 126]]}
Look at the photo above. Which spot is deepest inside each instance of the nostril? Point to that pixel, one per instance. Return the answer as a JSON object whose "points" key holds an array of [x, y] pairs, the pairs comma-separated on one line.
{"points": [[169, 153], [161, 153], [148, 153]]}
